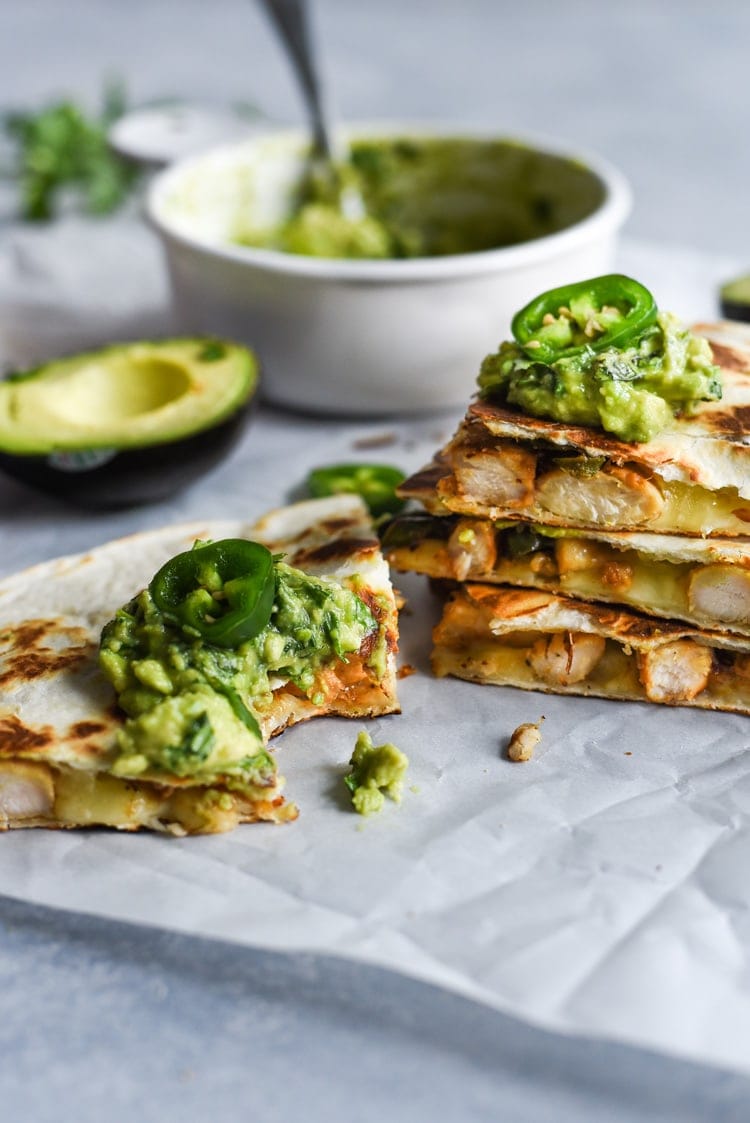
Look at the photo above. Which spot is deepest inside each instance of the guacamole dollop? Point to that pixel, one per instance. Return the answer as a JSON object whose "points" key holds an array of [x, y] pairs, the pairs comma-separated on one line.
{"points": [[376, 771], [633, 391], [426, 197], [194, 708]]}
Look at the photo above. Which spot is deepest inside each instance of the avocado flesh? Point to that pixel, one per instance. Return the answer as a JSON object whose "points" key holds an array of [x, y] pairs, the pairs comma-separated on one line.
{"points": [[125, 396]]}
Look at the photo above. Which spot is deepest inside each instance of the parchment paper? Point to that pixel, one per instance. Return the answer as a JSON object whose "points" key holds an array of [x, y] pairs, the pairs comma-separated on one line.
{"points": [[602, 888]]}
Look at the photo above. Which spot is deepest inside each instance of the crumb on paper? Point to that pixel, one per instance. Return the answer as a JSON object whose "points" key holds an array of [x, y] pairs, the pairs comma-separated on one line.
{"points": [[377, 440], [376, 771], [406, 671], [524, 740]]}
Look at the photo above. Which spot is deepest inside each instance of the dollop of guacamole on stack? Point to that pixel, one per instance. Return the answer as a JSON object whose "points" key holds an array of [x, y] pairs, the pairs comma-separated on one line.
{"points": [[634, 390]]}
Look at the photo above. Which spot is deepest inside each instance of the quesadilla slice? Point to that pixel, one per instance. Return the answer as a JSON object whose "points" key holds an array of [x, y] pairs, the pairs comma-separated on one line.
{"points": [[692, 479], [704, 582], [537, 641], [115, 714]]}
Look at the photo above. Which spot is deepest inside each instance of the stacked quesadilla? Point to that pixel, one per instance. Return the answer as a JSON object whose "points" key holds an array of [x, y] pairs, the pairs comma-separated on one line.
{"points": [[581, 563], [62, 762]]}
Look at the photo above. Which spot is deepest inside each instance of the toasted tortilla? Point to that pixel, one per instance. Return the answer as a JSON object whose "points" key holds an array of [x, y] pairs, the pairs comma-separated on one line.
{"points": [[58, 714], [692, 479], [537, 641], [705, 583]]}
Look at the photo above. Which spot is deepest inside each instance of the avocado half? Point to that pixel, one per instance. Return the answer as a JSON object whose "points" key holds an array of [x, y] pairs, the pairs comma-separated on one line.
{"points": [[131, 423]]}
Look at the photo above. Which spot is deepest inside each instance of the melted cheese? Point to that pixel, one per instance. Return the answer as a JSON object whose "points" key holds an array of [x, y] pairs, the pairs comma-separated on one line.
{"points": [[504, 661], [67, 797], [628, 577]]}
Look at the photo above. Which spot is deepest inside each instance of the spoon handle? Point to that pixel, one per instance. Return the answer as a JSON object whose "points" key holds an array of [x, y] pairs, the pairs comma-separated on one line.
{"points": [[291, 21]]}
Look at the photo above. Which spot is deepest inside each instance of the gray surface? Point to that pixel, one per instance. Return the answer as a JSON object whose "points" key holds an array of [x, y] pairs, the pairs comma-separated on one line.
{"points": [[99, 1021], [103, 1021]]}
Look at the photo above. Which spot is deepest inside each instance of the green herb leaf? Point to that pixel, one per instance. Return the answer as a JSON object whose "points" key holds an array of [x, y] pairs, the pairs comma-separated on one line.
{"points": [[60, 148], [194, 748], [352, 781]]}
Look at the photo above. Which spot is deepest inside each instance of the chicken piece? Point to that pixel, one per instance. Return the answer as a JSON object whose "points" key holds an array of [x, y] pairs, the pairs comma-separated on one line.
{"points": [[574, 555], [564, 658], [614, 496], [675, 672], [524, 740], [27, 791], [720, 592], [500, 477], [617, 575], [472, 549], [543, 565]]}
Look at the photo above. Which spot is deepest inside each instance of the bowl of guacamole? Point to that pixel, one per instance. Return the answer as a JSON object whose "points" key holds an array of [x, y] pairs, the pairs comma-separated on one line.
{"points": [[377, 289]]}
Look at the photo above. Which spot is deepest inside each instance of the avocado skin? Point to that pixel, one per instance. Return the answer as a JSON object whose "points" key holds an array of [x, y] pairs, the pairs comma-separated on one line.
{"points": [[734, 299], [735, 310], [135, 476]]}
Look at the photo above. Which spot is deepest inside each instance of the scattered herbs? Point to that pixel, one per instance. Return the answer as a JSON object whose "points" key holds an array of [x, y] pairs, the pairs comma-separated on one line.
{"points": [[61, 148]]}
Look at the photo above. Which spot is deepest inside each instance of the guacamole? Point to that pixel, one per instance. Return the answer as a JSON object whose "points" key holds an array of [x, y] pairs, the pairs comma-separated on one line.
{"points": [[580, 363], [426, 197], [376, 771], [194, 708]]}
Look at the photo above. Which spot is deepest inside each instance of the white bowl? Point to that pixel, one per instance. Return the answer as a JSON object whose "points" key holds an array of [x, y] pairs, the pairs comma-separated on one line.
{"points": [[357, 336]]}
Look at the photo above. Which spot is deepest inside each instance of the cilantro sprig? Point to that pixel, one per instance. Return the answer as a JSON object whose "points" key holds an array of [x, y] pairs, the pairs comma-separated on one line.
{"points": [[60, 149]]}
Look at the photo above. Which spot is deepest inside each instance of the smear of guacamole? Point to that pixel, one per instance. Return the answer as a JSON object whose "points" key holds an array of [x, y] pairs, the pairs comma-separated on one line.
{"points": [[194, 709], [430, 197], [633, 392], [376, 771]]}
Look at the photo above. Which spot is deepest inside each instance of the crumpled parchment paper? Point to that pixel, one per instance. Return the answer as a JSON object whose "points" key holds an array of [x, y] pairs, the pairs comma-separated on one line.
{"points": [[601, 888]]}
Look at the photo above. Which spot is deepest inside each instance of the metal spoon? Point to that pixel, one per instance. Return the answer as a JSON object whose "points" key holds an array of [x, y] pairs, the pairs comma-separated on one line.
{"points": [[290, 19]]}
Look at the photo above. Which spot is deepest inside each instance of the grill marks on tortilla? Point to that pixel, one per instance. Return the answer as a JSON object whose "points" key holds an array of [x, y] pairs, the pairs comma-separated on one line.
{"points": [[338, 550], [729, 358], [38, 648], [83, 739], [509, 604], [494, 418], [85, 729], [17, 739], [733, 422]]}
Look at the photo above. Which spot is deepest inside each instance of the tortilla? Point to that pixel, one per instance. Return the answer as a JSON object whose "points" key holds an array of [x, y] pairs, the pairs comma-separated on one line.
{"points": [[537, 641], [58, 714], [704, 582], [693, 479]]}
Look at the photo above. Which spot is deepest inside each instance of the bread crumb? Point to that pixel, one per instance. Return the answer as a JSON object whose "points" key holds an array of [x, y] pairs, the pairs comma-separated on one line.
{"points": [[524, 740], [377, 440], [405, 671]]}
